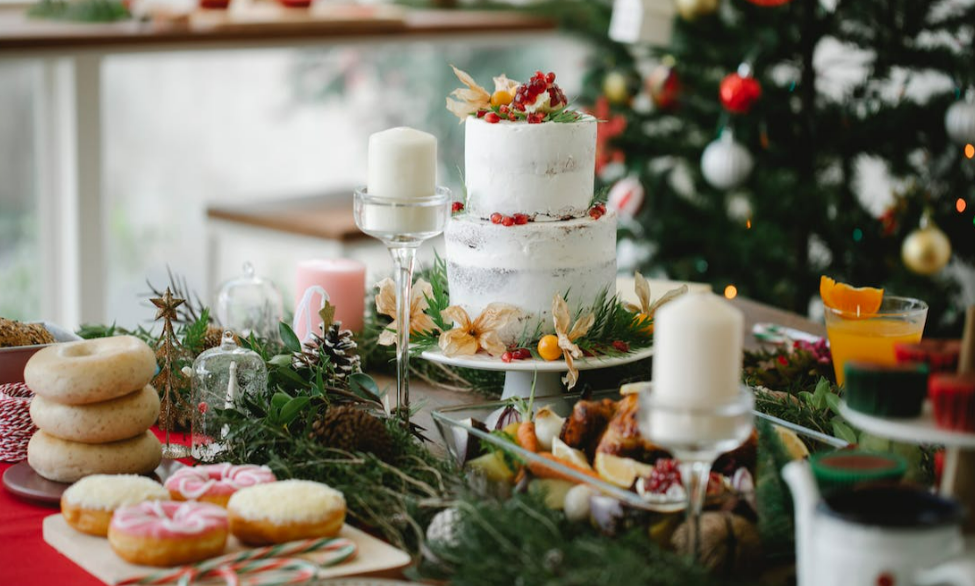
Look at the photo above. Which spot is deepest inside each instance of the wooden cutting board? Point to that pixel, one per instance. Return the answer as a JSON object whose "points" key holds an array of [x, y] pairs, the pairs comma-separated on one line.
{"points": [[95, 555]]}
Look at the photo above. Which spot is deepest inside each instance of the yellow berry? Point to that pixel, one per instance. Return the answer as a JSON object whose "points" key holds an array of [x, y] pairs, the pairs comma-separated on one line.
{"points": [[548, 348], [500, 98], [641, 319]]}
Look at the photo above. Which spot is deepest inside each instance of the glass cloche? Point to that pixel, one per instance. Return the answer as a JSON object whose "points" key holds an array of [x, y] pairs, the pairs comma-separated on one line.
{"points": [[220, 376], [250, 304]]}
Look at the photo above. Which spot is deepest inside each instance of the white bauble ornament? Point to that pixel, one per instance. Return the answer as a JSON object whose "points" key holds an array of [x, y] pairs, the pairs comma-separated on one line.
{"points": [[626, 196], [443, 528], [926, 250], [960, 121], [726, 164], [739, 207]]}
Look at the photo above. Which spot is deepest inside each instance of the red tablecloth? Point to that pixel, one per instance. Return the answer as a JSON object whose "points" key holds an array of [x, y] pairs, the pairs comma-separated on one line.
{"points": [[25, 559]]}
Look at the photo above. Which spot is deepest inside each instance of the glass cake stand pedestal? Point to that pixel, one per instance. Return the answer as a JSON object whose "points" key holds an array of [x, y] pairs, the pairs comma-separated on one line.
{"points": [[519, 374]]}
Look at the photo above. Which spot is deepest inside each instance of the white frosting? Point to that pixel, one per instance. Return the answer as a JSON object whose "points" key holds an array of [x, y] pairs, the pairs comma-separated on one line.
{"points": [[527, 265], [546, 170], [107, 492], [287, 501]]}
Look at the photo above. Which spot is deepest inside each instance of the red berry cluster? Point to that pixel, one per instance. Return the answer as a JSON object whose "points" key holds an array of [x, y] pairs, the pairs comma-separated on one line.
{"points": [[665, 474], [597, 211], [519, 219], [457, 206], [621, 346], [516, 354], [541, 83]]}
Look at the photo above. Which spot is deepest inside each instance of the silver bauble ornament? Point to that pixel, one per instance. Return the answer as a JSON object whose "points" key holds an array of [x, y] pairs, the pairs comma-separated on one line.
{"points": [[926, 250], [960, 120], [694, 9], [726, 164]]}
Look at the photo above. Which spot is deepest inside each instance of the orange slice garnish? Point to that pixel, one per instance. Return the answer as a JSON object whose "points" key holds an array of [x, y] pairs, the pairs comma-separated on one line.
{"points": [[848, 299]]}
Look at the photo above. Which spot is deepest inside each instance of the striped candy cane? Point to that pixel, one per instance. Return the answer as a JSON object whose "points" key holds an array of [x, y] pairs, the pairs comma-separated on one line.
{"points": [[255, 562]]}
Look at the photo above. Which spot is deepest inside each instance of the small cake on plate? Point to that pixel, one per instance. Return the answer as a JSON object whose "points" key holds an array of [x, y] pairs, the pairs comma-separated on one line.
{"points": [[88, 504], [286, 511], [885, 390], [953, 399]]}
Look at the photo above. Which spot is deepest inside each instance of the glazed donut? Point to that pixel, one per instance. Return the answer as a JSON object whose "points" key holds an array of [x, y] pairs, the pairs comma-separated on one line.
{"points": [[285, 511], [167, 533], [66, 461], [88, 504], [215, 483], [109, 421], [78, 373]]}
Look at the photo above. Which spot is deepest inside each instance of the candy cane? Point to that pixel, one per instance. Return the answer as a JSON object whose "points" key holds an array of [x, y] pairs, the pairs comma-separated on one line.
{"points": [[275, 557]]}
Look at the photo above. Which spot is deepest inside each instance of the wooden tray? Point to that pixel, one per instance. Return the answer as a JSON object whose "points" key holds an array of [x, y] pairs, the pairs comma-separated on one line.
{"points": [[95, 555]]}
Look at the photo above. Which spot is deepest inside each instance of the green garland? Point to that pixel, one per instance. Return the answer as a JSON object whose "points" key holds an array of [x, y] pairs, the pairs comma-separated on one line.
{"points": [[80, 10]]}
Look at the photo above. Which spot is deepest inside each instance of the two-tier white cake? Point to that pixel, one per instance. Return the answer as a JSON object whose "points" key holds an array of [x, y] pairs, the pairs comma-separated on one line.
{"points": [[529, 230]]}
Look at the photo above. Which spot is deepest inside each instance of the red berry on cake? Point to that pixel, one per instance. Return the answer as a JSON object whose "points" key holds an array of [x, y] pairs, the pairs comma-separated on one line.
{"points": [[496, 218], [507, 221], [492, 118], [521, 219], [550, 78], [481, 113], [506, 357], [594, 213], [523, 353], [457, 206], [621, 346]]}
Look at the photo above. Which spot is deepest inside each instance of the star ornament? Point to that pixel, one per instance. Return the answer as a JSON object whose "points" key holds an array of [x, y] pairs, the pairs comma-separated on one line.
{"points": [[167, 305]]}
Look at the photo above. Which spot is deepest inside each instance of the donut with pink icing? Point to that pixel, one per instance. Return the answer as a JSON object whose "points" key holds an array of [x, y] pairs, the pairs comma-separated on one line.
{"points": [[168, 533], [215, 483]]}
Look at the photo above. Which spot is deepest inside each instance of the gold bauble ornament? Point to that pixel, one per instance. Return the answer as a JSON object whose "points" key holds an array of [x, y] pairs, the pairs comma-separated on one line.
{"points": [[926, 250], [616, 87], [693, 9]]}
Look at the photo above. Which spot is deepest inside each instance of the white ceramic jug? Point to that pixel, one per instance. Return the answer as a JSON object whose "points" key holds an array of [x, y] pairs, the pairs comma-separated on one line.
{"points": [[876, 536]]}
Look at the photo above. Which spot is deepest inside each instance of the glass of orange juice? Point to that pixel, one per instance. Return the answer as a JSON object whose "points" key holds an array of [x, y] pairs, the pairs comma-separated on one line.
{"points": [[872, 337]]}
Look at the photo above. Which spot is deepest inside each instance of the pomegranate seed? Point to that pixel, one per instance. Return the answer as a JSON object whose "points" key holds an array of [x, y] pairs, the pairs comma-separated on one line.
{"points": [[523, 353], [457, 206], [503, 109], [520, 107], [621, 346], [595, 214], [539, 75], [506, 357], [481, 113], [550, 78], [601, 207], [518, 98], [496, 218], [507, 221], [665, 474], [521, 219], [511, 116], [492, 118]]}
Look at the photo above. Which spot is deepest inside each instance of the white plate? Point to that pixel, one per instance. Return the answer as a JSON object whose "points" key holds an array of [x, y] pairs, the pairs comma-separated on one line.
{"points": [[484, 361]]}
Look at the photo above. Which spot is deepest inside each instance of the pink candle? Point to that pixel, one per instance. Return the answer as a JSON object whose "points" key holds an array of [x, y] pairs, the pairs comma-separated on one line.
{"points": [[344, 280]]}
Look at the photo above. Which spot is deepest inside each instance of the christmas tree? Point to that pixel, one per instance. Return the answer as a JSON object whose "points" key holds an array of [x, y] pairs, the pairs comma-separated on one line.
{"points": [[790, 98]]}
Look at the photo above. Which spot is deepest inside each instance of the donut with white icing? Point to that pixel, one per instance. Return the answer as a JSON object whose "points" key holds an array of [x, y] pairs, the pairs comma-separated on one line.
{"points": [[88, 504], [215, 483], [90, 371], [108, 421], [286, 511], [168, 533]]}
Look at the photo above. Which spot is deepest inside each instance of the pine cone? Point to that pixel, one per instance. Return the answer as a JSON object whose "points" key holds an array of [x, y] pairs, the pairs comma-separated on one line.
{"points": [[353, 430], [340, 347]]}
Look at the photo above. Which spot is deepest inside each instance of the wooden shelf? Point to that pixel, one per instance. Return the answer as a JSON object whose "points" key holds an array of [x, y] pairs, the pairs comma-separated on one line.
{"points": [[274, 26]]}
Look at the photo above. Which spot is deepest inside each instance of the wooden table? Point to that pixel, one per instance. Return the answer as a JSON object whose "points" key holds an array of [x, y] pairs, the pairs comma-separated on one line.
{"points": [[69, 109]]}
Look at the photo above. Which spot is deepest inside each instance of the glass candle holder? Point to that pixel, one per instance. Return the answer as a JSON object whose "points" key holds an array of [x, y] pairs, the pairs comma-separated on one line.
{"points": [[696, 435], [402, 224]]}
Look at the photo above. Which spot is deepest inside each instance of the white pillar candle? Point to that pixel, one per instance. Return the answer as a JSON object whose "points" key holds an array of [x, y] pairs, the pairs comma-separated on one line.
{"points": [[402, 163], [697, 342]]}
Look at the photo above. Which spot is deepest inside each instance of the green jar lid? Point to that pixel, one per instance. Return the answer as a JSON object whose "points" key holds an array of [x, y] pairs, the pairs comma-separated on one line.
{"points": [[886, 390], [845, 468]]}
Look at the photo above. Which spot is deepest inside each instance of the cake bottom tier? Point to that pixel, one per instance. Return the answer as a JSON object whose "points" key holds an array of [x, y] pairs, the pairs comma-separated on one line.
{"points": [[528, 265]]}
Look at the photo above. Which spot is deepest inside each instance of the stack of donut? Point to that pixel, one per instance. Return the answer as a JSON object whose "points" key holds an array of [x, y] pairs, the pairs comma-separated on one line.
{"points": [[93, 407]]}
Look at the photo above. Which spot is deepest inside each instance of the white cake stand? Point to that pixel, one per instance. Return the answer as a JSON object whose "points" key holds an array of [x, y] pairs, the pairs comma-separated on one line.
{"points": [[917, 430], [520, 373]]}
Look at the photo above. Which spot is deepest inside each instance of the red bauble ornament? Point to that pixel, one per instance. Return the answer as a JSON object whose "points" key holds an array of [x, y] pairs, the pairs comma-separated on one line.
{"points": [[663, 85], [739, 93], [769, 2]]}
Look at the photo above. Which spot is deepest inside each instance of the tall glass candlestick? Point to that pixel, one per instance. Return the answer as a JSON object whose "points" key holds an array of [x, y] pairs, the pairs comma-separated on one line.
{"points": [[402, 224]]}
